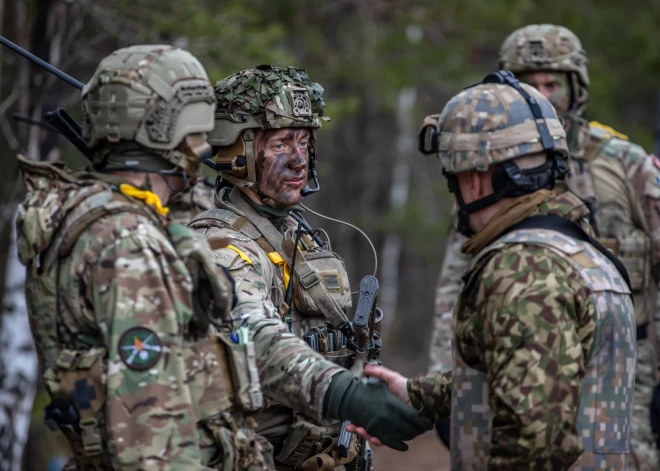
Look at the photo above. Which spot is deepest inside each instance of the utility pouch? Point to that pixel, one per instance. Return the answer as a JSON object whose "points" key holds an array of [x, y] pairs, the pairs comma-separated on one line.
{"points": [[328, 270], [240, 359], [330, 343], [76, 384], [305, 440], [239, 448]]}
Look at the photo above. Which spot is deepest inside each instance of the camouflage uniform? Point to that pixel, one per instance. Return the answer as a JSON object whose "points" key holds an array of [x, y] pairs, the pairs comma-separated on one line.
{"points": [[136, 366], [192, 201], [257, 248], [544, 324], [620, 184]]}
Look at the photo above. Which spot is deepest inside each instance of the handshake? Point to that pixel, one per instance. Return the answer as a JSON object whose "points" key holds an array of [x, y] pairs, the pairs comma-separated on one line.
{"points": [[378, 411]]}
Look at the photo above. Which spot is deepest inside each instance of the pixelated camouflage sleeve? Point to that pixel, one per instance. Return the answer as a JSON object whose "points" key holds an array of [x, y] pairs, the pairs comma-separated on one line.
{"points": [[141, 296], [291, 373], [454, 265], [535, 335]]}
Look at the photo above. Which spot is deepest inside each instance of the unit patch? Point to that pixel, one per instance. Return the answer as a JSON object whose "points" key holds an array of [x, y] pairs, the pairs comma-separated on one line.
{"points": [[139, 348]]}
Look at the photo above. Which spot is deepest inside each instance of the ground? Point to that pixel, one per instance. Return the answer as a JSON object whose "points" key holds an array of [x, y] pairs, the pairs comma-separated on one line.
{"points": [[426, 453]]}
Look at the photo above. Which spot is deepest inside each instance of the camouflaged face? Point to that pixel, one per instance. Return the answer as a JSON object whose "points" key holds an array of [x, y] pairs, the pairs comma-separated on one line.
{"points": [[544, 47], [491, 123], [274, 97]]}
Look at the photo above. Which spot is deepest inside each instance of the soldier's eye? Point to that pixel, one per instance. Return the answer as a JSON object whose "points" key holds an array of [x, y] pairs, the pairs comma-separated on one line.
{"points": [[278, 146], [303, 143]]}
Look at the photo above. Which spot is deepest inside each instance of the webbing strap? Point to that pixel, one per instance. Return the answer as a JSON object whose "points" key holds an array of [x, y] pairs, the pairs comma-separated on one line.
{"points": [[573, 230], [86, 213], [307, 276]]}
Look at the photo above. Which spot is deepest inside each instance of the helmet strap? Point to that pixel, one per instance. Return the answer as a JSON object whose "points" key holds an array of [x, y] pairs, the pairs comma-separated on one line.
{"points": [[509, 181]]}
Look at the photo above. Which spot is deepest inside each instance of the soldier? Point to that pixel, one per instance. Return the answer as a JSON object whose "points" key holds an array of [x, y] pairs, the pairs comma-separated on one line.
{"points": [[618, 181], [544, 323], [265, 132], [135, 366]]}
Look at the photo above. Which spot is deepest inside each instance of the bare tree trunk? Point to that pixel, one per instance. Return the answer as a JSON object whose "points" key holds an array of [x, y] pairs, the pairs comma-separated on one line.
{"points": [[399, 194], [18, 365]]}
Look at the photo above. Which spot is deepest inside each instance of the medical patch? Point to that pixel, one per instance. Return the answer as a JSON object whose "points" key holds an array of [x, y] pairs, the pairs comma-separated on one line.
{"points": [[139, 348]]}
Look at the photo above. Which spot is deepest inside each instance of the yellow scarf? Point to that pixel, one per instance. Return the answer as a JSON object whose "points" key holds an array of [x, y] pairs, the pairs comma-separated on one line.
{"points": [[148, 197], [514, 212]]}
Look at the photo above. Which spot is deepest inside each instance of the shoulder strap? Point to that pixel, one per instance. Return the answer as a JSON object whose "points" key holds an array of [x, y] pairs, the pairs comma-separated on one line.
{"points": [[307, 276], [85, 214], [573, 230]]}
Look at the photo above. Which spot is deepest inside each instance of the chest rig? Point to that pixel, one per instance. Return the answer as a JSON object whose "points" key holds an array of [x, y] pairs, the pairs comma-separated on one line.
{"points": [[321, 294], [74, 372], [321, 291], [604, 415]]}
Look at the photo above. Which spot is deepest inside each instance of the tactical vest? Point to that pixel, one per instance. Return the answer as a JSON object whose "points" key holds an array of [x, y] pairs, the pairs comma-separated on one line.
{"points": [[212, 394], [605, 411], [601, 180], [321, 294]]}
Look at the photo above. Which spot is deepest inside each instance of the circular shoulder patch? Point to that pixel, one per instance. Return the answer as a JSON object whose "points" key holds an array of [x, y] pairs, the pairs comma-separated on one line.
{"points": [[139, 348]]}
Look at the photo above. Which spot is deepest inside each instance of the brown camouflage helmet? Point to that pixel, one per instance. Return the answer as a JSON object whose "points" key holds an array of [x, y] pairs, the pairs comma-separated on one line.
{"points": [[548, 48], [488, 124], [265, 97], [154, 97]]}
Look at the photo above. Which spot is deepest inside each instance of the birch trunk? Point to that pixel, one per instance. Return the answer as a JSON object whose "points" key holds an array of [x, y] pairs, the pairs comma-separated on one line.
{"points": [[399, 195], [18, 365]]}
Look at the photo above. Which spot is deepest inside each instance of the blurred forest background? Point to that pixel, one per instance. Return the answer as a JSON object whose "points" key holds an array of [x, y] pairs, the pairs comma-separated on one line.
{"points": [[384, 64]]}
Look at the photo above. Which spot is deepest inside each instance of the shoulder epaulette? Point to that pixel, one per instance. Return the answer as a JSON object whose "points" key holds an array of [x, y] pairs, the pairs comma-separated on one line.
{"points": [[604, 132]]}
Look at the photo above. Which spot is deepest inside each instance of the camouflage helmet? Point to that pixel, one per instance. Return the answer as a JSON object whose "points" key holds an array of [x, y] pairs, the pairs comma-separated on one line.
{"points": [[265, 97], [537, 48], [153, 97], [488, 124]]}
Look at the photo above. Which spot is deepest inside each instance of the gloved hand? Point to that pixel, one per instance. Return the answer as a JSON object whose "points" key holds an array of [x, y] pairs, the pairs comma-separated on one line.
{"points": [[373, 407]]}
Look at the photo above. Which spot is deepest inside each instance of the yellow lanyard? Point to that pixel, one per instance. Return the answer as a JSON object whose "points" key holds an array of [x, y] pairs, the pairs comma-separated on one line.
{"points": [[286, 273], [148, 197]]}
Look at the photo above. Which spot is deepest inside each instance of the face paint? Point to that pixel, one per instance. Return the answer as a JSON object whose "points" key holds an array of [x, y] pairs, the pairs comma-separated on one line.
{"points": [[552, 85], [281, 163]]}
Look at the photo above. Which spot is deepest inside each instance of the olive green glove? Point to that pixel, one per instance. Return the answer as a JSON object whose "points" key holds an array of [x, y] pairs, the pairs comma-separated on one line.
{"points": [[373, 407]]}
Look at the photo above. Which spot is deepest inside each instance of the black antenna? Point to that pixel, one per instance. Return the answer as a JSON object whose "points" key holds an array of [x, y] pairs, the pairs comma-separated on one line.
{"points": [[41, 63]]}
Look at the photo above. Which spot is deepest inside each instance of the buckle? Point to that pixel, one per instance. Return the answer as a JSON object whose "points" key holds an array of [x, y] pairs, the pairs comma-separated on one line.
{"points": [[91, 438], [310, 279]]}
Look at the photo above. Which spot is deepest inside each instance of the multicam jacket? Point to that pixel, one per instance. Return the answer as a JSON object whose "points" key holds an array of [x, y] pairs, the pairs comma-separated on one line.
{"points": [[291, 373], [544, 356], [112, 315]]}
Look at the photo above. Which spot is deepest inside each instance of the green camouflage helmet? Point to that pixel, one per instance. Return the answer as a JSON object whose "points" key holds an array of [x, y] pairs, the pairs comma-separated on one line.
{"points": [[537, 48], [158, 97], [265, 97], [488, 124]]}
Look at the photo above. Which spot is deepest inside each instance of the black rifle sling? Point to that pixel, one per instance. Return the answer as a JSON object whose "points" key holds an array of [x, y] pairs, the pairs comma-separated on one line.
{"points": [[570, 229]]}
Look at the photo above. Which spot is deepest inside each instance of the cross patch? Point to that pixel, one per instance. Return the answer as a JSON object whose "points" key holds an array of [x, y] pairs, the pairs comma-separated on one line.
{"points": [[83, 394]]}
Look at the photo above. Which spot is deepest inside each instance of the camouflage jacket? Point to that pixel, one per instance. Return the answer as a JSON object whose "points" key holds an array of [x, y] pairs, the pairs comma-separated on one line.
{"points": [[112, 318], [527, 323], [189, 203], [622, 183], [291, 373]]}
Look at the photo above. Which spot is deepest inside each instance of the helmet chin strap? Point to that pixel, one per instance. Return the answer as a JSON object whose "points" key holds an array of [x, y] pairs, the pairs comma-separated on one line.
{"points": [[509, 181]]}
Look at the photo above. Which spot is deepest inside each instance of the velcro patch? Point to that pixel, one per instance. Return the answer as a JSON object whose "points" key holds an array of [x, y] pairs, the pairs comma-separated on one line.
{"points": [[139, 348]]}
